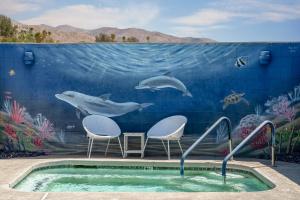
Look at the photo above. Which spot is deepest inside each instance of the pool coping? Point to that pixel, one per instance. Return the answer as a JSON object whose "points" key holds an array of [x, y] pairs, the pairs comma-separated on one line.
{"points": [[12, 171]]}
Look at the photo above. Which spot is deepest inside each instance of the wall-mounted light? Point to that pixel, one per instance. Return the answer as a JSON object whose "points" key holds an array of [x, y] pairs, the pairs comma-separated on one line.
{"points": [[28, 58], [265, 57]]}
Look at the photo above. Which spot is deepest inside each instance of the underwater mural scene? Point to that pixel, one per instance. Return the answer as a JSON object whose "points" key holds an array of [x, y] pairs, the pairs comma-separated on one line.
{"points": [[47, 89]]}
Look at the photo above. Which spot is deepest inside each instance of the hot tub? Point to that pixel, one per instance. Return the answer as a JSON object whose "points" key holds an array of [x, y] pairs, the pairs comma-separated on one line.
{"points": [[93, 176]]}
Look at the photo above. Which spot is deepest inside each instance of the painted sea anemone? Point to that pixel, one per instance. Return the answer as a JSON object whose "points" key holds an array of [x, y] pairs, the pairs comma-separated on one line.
{"points": [[10, 131], [38, 142], [44, 126]]}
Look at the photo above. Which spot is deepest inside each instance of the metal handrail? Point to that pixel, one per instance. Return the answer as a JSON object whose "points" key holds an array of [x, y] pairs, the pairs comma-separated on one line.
{"points": [[186, 153], [251, 135]]}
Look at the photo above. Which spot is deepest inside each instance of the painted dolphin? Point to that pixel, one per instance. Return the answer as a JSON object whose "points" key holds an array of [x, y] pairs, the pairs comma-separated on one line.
{"points": [[163, 81], [87, 104]]}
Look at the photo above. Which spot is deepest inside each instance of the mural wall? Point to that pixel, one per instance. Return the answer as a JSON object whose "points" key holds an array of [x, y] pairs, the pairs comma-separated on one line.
{"points": [[46, 90]]}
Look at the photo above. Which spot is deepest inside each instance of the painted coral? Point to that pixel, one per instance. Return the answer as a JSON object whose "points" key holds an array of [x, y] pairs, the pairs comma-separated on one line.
{"points": [[247, 125], [7, 106], [21, 130], [260, 140], [44, 126], [38, 142], [295, 94], [14, 110], [222, 133], [29, 131], [224, 152], [283, 106], [18, 113], [10, 131], [280, 107], [258, 110], [61, 136]]}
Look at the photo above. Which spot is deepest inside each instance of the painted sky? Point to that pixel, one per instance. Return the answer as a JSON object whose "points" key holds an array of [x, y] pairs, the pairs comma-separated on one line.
{"points": [[222, 20]]}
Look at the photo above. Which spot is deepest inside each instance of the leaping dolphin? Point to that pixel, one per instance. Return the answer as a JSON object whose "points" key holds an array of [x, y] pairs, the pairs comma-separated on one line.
{"points": [[87, 104], [163, 81]]}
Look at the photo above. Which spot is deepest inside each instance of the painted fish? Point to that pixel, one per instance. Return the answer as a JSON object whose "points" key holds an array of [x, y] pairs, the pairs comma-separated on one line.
{"points": [[241, 61], [7, 92], [87, 104], [163, 81], [70, 126], [233, 98], [12, 72]]}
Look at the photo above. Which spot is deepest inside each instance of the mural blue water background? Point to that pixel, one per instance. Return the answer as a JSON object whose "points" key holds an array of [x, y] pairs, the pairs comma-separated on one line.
{"points": [[207, 70]]}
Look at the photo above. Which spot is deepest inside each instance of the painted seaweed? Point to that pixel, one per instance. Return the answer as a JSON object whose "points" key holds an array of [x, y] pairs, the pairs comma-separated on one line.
{"points": [[21, 132]]}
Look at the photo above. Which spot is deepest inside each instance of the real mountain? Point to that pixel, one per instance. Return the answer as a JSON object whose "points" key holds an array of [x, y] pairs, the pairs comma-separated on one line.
{"points": [[70, 34]]}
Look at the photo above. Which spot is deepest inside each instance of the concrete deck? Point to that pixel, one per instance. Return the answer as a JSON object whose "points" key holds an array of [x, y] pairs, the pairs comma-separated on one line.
{"points": [[286, 177]]}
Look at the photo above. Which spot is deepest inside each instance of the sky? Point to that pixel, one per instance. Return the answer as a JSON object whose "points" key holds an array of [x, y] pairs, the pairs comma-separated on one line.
{"points": [[222, 20]]}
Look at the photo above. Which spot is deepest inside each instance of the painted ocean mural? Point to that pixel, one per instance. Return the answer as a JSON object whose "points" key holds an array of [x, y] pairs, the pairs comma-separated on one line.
{"points": [[47, 89]]}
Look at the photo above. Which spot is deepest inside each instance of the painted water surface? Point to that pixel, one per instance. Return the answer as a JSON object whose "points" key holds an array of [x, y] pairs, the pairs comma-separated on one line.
{"points": [[44, 101]]}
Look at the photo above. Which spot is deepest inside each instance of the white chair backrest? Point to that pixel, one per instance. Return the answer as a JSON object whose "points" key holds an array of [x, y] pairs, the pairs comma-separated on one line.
{"points": [[173, 125], [100, 125]]}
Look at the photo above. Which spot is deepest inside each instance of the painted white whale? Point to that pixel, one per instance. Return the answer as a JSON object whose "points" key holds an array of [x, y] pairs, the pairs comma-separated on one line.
{"points": [[163, 81], [87, 104]]}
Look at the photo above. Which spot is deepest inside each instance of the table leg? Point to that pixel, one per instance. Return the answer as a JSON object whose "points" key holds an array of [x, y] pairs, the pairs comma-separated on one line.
{"points": [[125, 146], [142, 146]]}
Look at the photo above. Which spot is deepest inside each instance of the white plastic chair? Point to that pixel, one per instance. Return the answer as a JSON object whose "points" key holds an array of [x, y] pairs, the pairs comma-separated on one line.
{"points": [[100, 128], [170, 128]]}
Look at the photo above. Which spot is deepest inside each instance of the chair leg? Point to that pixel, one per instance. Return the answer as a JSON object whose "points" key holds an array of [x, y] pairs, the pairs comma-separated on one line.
{"points": [[145, 146], [91, 147], [164, 147], [88, 150], [169, 156], [142, 146], [180, 146], [121, 147], [107, 147]]}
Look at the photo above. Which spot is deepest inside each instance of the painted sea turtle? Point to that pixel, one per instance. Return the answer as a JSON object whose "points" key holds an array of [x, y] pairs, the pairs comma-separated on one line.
{"points": [[234, 98]]}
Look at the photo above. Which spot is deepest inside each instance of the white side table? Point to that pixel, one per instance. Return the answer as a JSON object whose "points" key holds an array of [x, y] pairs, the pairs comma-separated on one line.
{"points": [[126, 151]]}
